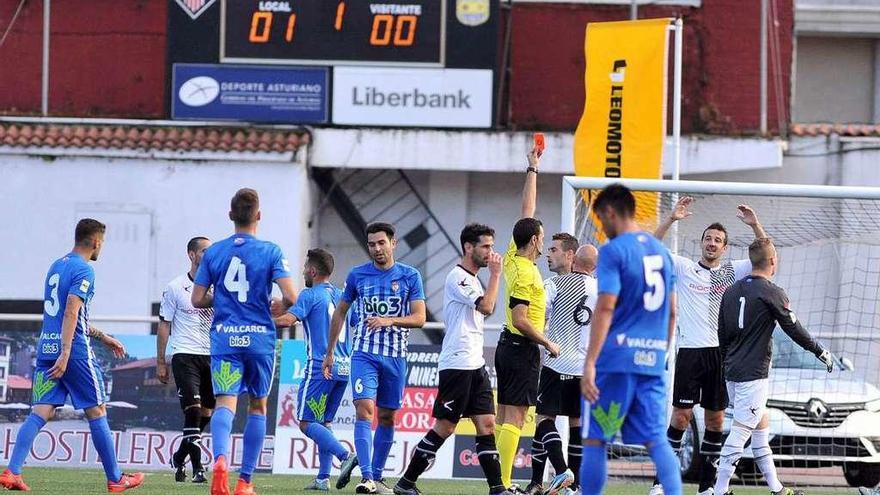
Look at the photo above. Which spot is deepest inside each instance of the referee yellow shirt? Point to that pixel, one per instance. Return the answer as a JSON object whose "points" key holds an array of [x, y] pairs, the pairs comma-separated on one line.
{"points": [[523, 285]]}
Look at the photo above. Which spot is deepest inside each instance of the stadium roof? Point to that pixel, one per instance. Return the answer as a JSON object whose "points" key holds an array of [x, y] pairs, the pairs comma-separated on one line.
{"points": [[151, 137], [139, 363], [852, 130], [18, 382]]}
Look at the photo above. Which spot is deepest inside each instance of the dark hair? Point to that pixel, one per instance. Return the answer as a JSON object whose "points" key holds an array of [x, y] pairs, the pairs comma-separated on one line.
{"points": [[759, 252], [321, 259], [244, 206], [568, 241], [87, 229], [377, 227], [193, 243], [472, 232], [524, 230], [617, 197], [716, 226]]}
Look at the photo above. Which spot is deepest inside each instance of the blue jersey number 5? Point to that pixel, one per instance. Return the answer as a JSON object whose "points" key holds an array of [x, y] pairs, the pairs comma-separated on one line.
{"points": [[654, 278]]}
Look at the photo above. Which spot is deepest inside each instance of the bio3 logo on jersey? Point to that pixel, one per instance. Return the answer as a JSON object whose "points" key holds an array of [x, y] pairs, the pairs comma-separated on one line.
{"points": [[376, 305]]}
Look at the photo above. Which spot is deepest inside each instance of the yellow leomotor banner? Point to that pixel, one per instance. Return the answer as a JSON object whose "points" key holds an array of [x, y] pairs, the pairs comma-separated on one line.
{"points": [[622, 129]]}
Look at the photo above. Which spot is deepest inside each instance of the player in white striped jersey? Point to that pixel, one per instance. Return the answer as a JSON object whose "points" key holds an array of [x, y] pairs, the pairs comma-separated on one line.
{"points": [[699, 374], [571, 297], [189, 328]]}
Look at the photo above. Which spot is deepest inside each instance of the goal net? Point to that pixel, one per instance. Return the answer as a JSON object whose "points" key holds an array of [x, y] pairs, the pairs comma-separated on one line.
{"points": [[825, 428]]}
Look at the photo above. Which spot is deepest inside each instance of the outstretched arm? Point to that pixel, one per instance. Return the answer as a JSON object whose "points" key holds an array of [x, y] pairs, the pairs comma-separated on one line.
{"points": [[529, 195], [750, 218], [680, 212]]}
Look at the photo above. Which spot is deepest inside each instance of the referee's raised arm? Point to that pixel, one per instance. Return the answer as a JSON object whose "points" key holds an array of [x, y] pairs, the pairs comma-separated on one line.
{"points": [[531, 186]]}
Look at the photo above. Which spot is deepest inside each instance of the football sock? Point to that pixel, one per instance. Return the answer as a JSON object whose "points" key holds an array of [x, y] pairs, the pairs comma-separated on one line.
{"points": [[325, 439], [508, 443], [674, 436], [710, 449], [221, 429], [102, 439], [363, 443], [594, 470], [730, 454], [539, 460], [191, 418], [383, 439], [575, 452], [422, 457], [549, 436], [764, 458], [24, 440], [668, 470], [487, 453], [254, 434]]}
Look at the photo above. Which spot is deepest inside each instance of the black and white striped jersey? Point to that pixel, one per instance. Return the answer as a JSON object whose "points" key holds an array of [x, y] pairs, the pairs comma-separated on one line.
{"points": [[571, 299], [699, 298]]}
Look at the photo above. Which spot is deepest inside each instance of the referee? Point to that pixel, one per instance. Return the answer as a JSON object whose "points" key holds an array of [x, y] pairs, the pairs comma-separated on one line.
{"points": [[517, 357], [189, 328]]}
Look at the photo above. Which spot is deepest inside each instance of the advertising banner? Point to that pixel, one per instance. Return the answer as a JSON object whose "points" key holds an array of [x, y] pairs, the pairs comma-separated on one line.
{"points": [[289, 95], [385, 96]]}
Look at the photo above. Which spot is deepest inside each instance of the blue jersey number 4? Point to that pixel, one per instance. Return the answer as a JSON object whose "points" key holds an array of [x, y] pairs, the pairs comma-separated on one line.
{"points": [[236, 279]]}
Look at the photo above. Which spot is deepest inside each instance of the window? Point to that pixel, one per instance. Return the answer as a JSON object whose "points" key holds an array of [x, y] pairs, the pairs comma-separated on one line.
{"points": [[2, 372], [834, 80], [4, 349]]}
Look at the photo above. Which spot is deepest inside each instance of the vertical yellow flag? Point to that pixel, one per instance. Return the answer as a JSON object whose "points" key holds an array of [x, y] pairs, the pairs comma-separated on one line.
{"points": [[623, 127]]}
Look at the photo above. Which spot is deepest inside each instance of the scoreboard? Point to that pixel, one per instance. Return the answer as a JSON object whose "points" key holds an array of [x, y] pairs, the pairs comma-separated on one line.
{"points": [[330, 32]]}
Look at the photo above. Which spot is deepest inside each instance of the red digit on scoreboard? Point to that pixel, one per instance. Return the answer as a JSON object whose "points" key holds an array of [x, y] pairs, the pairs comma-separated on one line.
{"points": [[382, 26], [340, 11], [258, 34]]}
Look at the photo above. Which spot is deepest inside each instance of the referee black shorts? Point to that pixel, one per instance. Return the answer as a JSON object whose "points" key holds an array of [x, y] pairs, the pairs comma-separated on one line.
{"points": [[192, 375], [517, 364], [699, 379]]}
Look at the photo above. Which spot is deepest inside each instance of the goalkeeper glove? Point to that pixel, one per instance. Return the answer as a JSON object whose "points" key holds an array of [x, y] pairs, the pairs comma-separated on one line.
{"points": [[826, 359]]}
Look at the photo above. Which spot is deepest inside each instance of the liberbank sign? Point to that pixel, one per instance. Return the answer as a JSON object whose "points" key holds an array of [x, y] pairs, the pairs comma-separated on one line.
{"points": [[414, 97]]}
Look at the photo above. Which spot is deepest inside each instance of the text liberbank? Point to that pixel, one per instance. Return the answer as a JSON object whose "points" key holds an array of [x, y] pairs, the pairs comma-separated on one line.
{"points": [[370, 96]]}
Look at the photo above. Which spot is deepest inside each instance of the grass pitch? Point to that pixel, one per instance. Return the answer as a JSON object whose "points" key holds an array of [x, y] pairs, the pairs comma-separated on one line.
{"points": [[58, 481]]}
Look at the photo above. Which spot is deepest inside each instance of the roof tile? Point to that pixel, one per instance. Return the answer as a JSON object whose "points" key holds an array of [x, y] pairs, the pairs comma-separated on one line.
{"points": [[142, 137]]}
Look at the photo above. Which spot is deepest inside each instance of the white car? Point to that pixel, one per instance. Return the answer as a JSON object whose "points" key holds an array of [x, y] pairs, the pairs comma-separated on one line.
{"points": [[817, 419]]}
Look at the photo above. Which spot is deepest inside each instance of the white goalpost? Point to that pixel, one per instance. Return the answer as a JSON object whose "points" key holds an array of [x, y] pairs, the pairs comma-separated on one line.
{"points": [[828, 239]]}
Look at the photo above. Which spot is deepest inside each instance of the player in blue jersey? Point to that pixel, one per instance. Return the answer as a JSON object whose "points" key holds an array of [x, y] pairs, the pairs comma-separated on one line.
{"points": [[318, 398], [66, 365], [624, 372], [389, 300], [241, 269]]}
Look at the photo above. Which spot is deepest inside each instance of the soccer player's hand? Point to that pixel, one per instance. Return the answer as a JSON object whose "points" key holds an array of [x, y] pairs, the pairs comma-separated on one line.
{"points": [[57, 370], [495, 264], [747, 215], [115, 346], [162, 372], [377, 322], [275, 308], [680, 212], [588, 383], [552, 348], [327, 366], [826, 359]]}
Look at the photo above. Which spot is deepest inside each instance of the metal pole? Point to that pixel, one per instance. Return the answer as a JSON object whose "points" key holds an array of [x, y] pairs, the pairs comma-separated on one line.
{"points": [[764, 67], [634, 10], [676, 116], [45, 84]]}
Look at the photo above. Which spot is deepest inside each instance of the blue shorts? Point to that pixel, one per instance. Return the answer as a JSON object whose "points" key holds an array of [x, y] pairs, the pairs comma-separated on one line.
{"points": [[235, 374], [83, 382], [318, 399], [380, 378], [633, 404]]}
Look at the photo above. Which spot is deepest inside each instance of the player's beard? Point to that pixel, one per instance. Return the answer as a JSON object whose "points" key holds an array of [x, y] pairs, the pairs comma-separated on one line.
{"points": [[480, 262]]}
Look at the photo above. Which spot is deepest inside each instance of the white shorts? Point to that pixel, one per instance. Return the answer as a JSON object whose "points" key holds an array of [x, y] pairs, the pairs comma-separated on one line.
{"points": [[749, 401]]}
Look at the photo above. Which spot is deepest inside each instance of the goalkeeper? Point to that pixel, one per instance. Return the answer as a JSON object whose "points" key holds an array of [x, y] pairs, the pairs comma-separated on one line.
{"points": [[750, 310]]}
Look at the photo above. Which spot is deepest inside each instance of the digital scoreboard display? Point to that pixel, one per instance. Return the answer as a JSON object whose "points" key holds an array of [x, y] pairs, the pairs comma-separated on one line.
{"points": [[327, 32]]}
